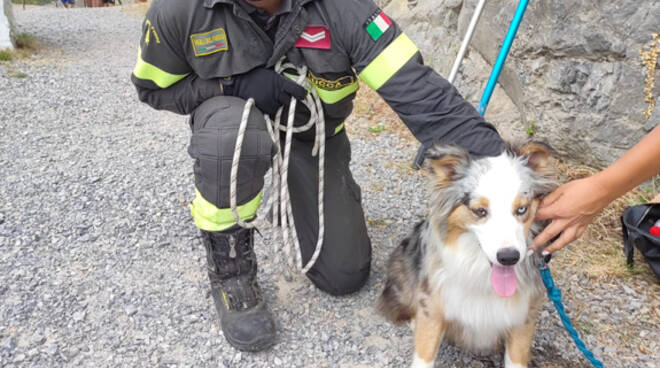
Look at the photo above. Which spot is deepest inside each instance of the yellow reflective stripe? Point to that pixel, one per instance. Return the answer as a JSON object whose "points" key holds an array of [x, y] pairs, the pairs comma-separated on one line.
{"points": [[339, 128], [163, 79], [330, 97], [293, 78], [388, 62], [211, 218]]}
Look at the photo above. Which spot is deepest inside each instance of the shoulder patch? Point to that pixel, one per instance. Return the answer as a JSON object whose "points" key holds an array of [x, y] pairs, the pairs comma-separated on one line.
{"points": [[314, 37], [377, 24], [209, 42], [150, 29]]}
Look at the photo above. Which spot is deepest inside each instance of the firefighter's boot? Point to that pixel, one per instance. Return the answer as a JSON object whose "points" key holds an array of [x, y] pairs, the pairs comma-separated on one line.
{"points": [[245, 320]]}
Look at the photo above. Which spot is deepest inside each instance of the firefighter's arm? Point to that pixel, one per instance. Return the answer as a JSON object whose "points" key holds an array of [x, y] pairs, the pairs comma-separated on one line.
{"points": [[162, 77], [390, 63]]}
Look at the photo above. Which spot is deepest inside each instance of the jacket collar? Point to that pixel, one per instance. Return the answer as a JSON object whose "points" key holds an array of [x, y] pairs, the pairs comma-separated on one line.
{"points": [[290, 28], [212, 3]]}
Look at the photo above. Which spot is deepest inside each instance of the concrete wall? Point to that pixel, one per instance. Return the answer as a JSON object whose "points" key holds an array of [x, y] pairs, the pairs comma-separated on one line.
{"points": [[6, 25]]}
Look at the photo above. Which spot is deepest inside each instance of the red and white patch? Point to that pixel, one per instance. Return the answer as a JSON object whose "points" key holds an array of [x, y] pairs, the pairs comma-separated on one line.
{"points": [[314, 37]]}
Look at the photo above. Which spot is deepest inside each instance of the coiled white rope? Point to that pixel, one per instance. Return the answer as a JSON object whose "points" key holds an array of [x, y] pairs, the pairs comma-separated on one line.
{"points": [[279, 203]]}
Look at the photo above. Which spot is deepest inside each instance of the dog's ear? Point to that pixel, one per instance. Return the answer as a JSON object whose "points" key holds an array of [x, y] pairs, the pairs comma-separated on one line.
{"points": [[447, 162], [538, 156]]}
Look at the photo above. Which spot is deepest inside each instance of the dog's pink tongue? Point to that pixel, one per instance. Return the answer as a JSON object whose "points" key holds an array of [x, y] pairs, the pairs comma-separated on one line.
{"points": [[504, 280]]}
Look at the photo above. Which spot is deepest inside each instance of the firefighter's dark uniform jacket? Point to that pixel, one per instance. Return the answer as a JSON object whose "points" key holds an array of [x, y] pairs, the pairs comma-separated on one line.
{"points": [[174, 73], [187, 46]]}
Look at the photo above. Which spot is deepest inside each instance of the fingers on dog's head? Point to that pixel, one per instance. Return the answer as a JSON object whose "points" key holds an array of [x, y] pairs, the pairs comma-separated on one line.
{"points": [[448, 163]]}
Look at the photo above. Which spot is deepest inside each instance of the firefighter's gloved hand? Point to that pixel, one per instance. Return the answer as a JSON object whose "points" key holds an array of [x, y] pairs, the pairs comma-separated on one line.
{"points": [[269, 89]]}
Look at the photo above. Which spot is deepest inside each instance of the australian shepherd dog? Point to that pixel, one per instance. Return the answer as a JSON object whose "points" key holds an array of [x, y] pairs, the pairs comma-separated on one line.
{"points": [[465, 272]]}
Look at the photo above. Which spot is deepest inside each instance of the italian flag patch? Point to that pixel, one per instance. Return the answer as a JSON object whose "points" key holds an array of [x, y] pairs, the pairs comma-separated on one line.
{"points": [[377, 24]]}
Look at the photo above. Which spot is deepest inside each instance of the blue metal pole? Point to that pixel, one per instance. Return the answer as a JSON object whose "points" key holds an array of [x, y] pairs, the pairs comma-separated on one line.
{"points": [[495, 73], [501, 58]]}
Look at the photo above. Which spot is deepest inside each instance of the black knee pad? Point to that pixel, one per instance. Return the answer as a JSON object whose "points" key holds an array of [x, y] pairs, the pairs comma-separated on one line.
{"points": [[214, 127]]}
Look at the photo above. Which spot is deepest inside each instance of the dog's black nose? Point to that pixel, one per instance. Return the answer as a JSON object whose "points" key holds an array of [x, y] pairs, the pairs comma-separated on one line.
{"points": [[508, 256]]}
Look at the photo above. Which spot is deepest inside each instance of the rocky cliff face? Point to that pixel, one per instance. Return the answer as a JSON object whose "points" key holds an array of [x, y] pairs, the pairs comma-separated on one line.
{"points": [[574, 76], [6, 25]]}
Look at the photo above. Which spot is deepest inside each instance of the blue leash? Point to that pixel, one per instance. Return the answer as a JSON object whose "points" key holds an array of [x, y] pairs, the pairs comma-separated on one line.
{"points": [[555, 296]]}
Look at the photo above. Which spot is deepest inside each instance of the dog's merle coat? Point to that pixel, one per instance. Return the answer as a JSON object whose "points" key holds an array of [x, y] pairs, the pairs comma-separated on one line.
{"points": [[417, 269]]}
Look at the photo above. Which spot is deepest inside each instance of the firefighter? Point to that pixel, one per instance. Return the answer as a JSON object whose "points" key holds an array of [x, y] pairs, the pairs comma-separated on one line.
{"points": [[207, 57]]}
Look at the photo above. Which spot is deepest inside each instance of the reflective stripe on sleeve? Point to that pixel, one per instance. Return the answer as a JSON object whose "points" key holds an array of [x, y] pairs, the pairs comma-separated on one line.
{"points": [[330, 97], [211, 218], [163, 79], [388, 62], [327, 96], [339, 128]]}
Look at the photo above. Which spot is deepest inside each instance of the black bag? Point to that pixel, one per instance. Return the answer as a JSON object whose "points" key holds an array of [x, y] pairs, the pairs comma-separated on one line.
{"points": [[636, 222]]}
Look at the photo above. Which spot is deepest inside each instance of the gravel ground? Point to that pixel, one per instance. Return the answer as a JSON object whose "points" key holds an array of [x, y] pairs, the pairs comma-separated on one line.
{"points": [[101, 265]]}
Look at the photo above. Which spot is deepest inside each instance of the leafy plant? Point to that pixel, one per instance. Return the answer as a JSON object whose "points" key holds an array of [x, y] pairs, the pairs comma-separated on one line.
{"points": [[531, 129], [5, 55], [25, 41], [376, 129], [33, 2]]}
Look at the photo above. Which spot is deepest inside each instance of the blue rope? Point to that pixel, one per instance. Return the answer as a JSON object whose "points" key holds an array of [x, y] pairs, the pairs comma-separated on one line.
{"points": [[555, 296]]}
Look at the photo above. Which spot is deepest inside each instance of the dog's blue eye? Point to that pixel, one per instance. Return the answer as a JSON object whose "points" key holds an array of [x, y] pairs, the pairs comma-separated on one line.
{"points": [[521, 210]]}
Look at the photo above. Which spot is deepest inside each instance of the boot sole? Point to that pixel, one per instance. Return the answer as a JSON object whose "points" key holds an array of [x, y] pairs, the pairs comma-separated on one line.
{"points": [[251, 347]]}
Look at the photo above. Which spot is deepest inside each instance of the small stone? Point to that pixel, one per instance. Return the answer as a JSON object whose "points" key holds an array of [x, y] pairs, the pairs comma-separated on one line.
{"points": [[628, 290], [131, 309], [8, 344], [79, 316], [278, 361], [19, 358], [51, 350]]}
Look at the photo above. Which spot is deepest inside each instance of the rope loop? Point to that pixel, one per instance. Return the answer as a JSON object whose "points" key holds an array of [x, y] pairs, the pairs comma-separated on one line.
{"points": [[279, 202]]}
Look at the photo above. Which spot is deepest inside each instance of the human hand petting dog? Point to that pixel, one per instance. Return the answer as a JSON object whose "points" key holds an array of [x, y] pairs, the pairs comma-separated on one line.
{"points": [[571, 207], [574, 205]]}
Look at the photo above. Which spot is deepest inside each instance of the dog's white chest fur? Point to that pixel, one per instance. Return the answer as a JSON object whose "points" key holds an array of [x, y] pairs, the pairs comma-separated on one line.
{"points": [[483, 319], [469, 302]]}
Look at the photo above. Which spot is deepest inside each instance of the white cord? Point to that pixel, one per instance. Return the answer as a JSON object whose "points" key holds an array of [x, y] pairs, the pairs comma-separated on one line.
{"points": [[279, 203]]}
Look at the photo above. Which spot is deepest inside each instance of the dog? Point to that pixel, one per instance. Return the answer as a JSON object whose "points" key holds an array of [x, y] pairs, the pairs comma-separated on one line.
{"points": [[465, 272]]}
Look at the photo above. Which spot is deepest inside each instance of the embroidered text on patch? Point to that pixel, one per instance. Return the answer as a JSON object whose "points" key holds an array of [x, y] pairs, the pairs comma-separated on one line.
{"points": [[330, 85], [377, 24], [209, 42]]}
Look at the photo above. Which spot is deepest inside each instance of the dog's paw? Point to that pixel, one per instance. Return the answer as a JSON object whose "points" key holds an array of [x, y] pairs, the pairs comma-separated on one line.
{"points": [[509, 364], [420, 363]]}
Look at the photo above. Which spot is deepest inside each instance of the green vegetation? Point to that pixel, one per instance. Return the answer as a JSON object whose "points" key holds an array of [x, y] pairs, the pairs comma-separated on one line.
{"points": [[33, 2], [25, 41], [26, 45], [376, 129], [19, 75], [531, 130], [5, 55]]}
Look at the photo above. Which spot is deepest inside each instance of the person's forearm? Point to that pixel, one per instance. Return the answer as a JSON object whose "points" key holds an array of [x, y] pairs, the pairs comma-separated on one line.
{"points": [[640, 163], [182, 97]]}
